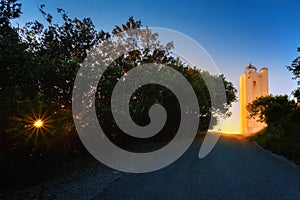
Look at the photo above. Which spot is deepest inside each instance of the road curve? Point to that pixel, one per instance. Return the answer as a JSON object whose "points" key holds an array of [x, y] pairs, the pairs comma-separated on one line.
{"points": [[235, 169]]}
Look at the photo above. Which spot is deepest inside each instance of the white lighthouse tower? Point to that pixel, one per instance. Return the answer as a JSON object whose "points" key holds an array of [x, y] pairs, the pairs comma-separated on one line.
{"points": [[253, 84]]}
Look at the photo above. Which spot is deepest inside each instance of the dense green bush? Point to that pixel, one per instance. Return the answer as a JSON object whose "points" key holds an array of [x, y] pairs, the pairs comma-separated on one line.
{"points": [[283, 137]]}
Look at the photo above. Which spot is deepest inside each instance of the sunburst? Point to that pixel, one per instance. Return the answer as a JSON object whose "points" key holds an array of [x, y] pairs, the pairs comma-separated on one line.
{"points": [[38, 125]]}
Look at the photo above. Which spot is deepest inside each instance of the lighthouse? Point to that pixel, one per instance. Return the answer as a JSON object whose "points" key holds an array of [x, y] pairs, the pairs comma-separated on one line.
{"points": [[253, 84]]}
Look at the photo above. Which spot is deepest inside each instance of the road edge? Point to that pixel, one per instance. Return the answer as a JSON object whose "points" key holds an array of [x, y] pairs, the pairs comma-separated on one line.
{"points": [[277, 156]]}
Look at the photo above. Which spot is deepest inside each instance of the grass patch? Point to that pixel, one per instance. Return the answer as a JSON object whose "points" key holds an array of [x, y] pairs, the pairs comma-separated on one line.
{"points": [[283, 137]]}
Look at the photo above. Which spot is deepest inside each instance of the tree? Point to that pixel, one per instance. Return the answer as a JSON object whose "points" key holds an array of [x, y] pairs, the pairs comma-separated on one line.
{"points": [[148, 49], [13, 57], [271, 109], [9, 9], [38, 66], [40, 60], [295, 69], [58, 50]]}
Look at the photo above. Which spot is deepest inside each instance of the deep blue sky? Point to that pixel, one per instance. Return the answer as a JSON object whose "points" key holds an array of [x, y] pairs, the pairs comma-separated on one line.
{"points": [[234, 33]]}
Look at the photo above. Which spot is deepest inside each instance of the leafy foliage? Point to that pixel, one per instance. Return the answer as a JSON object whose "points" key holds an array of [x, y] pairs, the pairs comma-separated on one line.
{"points": [[148, 49], [270, 109], [283, 137], [9, 9], [295, 69]]}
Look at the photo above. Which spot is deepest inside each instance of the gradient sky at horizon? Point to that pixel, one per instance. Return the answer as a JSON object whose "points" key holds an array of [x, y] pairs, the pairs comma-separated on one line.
{"points": [[234, 33]]}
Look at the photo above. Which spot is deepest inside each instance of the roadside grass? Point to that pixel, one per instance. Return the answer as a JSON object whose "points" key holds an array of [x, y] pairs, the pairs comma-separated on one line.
{"points": [[283, 137]]}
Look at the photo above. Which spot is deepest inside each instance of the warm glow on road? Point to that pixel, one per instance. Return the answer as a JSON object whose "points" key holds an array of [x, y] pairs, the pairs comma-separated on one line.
{"points": [[231, 133], [38, 123]]}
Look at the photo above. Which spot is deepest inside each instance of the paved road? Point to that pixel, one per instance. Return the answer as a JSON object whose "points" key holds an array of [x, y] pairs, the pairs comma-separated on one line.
{"points": [[235, 169]]}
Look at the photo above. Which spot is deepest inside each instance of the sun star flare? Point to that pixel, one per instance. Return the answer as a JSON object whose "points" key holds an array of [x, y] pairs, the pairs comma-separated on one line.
{"points": [[38, 123]]}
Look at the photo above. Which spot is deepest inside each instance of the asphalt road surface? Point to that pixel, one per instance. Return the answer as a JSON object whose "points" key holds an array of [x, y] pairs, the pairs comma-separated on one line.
{"points": [[235, 169]]}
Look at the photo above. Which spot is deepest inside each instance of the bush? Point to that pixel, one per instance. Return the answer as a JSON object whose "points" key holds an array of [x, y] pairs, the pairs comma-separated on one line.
{"points": [[283, 137]]}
